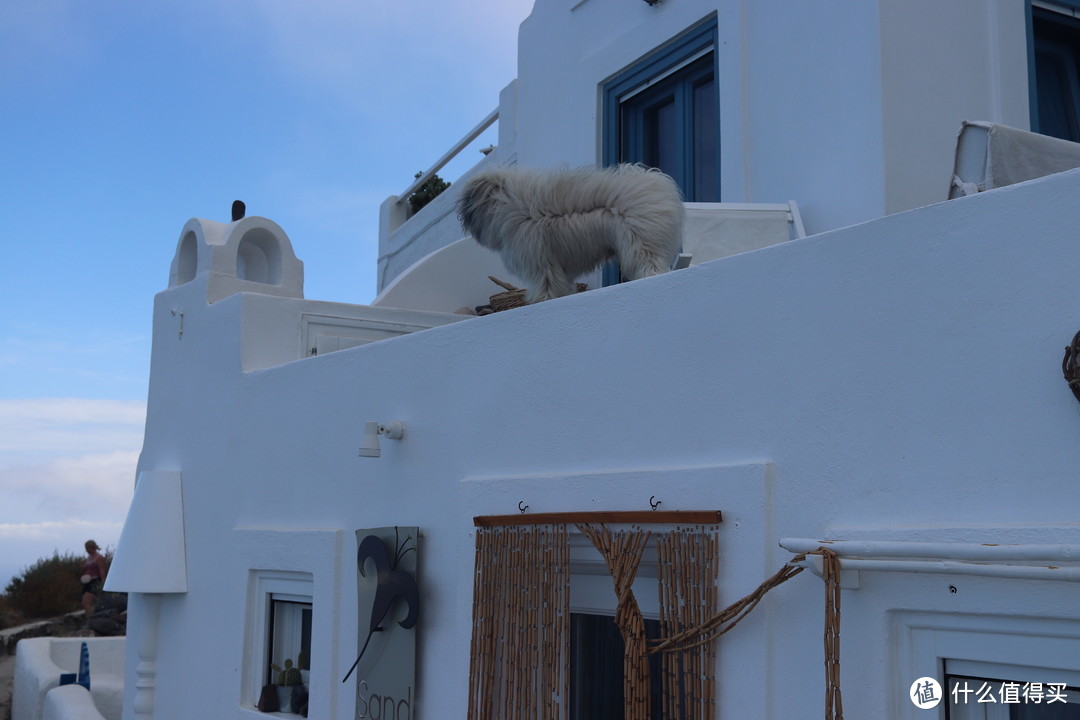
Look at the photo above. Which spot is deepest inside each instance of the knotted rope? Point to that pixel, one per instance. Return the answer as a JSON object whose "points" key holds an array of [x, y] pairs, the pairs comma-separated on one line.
{"points": [[622, 553], [834, 706], [733, 614]]}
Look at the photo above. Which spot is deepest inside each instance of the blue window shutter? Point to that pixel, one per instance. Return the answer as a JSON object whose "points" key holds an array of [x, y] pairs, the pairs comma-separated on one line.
{"points": [[663, 111]]}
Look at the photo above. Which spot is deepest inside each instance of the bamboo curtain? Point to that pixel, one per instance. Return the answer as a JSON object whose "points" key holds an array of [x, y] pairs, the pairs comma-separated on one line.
{"points": [[687, 568], [622, 553], [520, 643], [521, 624]]}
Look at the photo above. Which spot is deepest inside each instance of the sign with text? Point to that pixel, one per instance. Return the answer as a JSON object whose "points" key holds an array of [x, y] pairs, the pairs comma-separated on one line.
{"points": [[389, 606]]}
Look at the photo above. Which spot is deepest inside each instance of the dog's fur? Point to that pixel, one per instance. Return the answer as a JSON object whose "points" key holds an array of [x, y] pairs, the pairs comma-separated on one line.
{"points": [[551, 227]]}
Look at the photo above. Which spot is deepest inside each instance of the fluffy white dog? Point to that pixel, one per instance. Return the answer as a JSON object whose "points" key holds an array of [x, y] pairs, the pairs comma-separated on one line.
{"points": [[552, 226]]}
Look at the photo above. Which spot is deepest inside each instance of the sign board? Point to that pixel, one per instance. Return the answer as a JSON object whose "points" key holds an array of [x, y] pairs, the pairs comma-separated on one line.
{"points": [[389, 607]]}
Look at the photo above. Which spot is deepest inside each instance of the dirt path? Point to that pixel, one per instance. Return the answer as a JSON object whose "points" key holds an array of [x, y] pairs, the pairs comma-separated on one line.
{"points": [[65, 625], [7, 674]]}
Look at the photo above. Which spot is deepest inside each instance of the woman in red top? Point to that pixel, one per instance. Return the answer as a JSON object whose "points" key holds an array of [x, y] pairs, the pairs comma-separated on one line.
{"points": [[93, 577]]}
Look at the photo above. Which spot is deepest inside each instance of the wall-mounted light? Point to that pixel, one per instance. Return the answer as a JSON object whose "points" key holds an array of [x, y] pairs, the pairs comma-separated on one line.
{"points": [[372, 430]]}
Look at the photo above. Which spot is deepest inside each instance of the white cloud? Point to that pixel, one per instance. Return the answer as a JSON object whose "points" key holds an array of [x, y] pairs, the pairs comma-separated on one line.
{"points": [[66, 410], [98, 485], [371, 53], [57, 530], [69, 358], [67, 473], [38, 430]]}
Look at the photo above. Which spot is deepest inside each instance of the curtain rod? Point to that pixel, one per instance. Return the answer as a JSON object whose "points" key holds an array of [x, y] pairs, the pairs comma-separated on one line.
{"points": [[638, 517]]}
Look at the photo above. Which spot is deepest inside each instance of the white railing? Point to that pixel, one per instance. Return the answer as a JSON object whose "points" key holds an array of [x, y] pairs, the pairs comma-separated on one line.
{"points": [[404, 236], [1021, 561], [450, 154]]}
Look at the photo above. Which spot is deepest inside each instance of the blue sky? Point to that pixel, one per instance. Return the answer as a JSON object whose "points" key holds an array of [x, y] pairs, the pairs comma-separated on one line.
{"points": [[119, 121]]}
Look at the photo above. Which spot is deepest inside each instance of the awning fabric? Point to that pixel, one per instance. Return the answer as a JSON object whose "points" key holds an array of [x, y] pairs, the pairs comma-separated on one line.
{"points": [[989, 156]]}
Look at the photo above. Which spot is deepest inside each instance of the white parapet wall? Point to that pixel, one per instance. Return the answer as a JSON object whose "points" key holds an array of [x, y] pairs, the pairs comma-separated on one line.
{"points": [[70, 702], [215, 263], [39, 662]]}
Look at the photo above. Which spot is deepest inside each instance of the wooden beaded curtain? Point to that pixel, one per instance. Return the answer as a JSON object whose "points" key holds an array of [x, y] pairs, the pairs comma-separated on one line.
{"points": [[521, 624], [687, 568], [520, 645], [622, 553]]}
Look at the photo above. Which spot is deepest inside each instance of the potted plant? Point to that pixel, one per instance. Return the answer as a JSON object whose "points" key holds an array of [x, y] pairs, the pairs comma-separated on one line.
{"points": [[288, 678], [304, 663], [427, 192]]}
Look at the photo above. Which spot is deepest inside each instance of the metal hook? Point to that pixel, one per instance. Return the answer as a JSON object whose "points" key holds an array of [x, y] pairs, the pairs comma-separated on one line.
{"points": [[179, 314], [521, 507], [652, 504]]}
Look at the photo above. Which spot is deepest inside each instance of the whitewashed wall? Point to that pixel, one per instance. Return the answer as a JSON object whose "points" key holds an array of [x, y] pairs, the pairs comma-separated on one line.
{"points": [[850, 108], [941, 64], [895, 380]]}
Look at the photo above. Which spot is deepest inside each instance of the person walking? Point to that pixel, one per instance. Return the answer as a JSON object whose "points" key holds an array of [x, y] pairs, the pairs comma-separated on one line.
{"points": [[93, 577]]}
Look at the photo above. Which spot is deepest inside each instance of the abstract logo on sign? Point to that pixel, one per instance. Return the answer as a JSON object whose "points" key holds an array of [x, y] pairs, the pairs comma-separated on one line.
{"points": [[389, 606]]}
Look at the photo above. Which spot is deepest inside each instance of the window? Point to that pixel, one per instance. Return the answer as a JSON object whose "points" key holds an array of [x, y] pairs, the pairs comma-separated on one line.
{"points": [[672, 126], [979, 660], [664, 112], [543, 602], [596, 668], [290, 634], [280, 628], [1055, 69]]}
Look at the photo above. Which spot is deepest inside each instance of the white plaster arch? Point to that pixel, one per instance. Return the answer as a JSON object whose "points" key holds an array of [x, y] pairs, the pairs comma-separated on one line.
{"points": [[193, 249], [250, 255]]}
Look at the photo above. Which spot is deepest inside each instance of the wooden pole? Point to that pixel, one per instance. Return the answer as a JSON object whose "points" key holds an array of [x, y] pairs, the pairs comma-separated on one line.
{"points": [[617, 517]]}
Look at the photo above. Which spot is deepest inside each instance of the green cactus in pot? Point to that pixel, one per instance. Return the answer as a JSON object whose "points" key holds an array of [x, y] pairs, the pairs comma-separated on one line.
{"points": [[289, 675]]}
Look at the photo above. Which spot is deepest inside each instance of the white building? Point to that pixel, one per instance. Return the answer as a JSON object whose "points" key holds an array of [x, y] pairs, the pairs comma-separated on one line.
{"points": [[892, 380]]}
